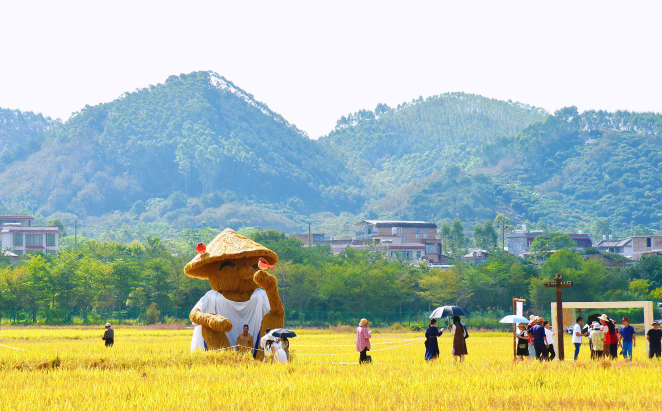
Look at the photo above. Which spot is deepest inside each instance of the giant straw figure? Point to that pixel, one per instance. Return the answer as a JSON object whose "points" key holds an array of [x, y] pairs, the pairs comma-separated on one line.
{"points": [[242, 292]]}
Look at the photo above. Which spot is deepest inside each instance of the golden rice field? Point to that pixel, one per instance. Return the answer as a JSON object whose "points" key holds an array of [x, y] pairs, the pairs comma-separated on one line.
{"points": [[70, 369]]}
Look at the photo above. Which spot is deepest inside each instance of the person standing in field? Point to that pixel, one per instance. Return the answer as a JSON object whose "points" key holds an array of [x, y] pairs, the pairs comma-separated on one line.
{"points": [[532, 322], [459, 333], [363, 341], [285, 343], [539, 339], [597, 342], [627, 338], [431, 342], [577, 334], [244, 342], [611, 338], [522, 343], [654, 337], [549, 335], [109, 336]]}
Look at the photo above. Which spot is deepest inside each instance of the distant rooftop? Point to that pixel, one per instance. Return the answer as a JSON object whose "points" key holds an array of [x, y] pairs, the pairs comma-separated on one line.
{"points": [[397, 223], [16, 217]]}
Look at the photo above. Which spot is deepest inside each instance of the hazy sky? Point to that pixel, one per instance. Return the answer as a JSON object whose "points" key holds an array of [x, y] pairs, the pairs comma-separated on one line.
{"points": [[314, 61]]}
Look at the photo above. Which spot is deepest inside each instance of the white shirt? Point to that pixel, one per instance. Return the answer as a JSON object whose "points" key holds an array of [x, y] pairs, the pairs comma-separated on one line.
{"points": [[549, 334], [576, 329], [239, 313]]}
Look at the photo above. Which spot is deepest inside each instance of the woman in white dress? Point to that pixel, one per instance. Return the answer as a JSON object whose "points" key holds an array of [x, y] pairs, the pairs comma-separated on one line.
{"points": [[275, 348]]}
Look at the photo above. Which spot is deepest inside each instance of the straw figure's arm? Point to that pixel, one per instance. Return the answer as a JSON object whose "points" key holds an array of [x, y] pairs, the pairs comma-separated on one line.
{"points": [[214, 327], [276, 317]]}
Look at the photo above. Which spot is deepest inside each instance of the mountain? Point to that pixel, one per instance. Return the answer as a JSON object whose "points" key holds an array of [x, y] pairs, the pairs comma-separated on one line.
{"points": [[197, 134], [393, 146], [567, 170], [20, 134], [199, 151]]}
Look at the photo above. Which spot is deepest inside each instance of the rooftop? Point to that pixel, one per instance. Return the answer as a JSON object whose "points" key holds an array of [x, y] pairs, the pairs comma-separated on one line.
{"points": [[614, 243], [25, 228], [16, 217], [398, 223]]}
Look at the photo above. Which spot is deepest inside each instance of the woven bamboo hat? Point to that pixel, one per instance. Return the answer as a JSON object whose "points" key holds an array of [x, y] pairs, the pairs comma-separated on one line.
{"points": [[228, 245]]}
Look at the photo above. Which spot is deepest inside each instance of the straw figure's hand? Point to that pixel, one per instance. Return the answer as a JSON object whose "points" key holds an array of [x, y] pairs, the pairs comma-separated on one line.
{"points": [[265, 280], [213, 321], [220, 323]]}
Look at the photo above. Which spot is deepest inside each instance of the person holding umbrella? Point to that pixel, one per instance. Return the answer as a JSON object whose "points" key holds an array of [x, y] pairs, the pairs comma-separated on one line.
{"points": [[460, 334], [431, 343], [522, 343]]}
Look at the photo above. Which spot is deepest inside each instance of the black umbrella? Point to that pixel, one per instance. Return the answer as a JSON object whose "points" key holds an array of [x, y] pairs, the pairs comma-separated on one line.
{"points": [[449, 311], [283, 333]]}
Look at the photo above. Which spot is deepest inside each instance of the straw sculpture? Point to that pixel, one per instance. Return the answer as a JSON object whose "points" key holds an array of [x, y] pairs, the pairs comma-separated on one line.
{"points": [[230, 263]]}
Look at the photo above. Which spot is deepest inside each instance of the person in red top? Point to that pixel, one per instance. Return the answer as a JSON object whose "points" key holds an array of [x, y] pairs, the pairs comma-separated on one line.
{"points": [[611, 337], [363, 341]]}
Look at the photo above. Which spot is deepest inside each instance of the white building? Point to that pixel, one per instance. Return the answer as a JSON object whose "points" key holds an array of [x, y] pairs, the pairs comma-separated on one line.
{"points": [[19, 235]]}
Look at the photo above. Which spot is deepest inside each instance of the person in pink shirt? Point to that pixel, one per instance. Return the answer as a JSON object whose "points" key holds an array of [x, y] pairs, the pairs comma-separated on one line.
{"points": [[363, 341]]}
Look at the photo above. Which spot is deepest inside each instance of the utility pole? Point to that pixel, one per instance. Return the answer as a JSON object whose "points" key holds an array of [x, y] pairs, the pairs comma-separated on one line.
{"points": [[309, 235], [559, 284], [75, 235]]}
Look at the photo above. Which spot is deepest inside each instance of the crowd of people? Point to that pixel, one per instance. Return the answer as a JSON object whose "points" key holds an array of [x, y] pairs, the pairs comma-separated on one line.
{"points": [[536, 339]]}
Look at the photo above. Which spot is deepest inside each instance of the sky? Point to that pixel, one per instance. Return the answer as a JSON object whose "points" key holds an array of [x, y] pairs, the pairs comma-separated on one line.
{"points": [[315, 61]]}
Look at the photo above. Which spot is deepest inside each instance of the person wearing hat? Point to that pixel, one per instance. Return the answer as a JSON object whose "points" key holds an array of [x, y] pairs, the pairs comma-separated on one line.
{"points": [[611, 339], [109, 336], [363, 341], [627, 338], [540, 340], [577, 334], [597, 342], [654, 337]]}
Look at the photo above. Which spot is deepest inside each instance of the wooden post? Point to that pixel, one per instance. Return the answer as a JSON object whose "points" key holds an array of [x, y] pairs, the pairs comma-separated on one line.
{"points": [[515, 301], [559, 284]]}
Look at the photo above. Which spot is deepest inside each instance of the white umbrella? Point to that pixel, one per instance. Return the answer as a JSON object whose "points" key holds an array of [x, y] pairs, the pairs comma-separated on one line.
{"points": [[513, 319]]}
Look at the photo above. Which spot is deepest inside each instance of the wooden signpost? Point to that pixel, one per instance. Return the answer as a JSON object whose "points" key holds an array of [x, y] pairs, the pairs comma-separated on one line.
{"points": [[559, 284]]}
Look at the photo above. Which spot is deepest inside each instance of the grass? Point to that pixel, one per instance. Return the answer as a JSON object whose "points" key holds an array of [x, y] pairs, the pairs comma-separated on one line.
{"points": [[70, 369]]}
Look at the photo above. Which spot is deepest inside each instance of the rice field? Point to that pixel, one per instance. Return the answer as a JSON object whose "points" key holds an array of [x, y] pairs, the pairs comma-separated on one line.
{"points": [[149, 369]]}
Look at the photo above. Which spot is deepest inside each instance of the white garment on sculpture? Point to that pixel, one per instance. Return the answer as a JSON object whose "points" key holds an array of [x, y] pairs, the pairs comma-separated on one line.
{"points": [[248, 312]]}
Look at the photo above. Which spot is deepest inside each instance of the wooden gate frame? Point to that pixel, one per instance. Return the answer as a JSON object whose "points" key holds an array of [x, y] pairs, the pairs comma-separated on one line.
{"points": [[647, 306]]}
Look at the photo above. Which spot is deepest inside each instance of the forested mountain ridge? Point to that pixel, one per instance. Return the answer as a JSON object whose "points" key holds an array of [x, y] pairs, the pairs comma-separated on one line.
{"points": [[199, 151], [197, 134], [20, 134], [566, 170], [392, 146]]}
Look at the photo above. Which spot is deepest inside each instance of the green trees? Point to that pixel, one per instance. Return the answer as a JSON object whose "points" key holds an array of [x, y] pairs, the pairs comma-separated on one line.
{"points": [[485, 236]]}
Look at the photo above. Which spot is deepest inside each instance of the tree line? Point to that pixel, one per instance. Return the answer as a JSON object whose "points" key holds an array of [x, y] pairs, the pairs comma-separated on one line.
{"points": [[148, 277]]}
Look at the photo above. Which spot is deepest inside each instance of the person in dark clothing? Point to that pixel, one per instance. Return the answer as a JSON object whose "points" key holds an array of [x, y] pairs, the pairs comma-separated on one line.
{"points": [[109, 335], [540, 340], [431, 343], [654, 337]]}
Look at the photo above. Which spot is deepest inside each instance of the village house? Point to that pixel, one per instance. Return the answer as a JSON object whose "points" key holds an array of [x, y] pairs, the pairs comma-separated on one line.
{"points": [[407, 240], [476, 256], [520, 241], [20, 237], [622, 247], [643, 245]]}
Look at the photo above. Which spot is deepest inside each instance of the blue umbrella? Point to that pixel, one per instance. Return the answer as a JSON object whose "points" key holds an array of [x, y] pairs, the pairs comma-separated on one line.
{"points": [[448, 311], [513, 319]]}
